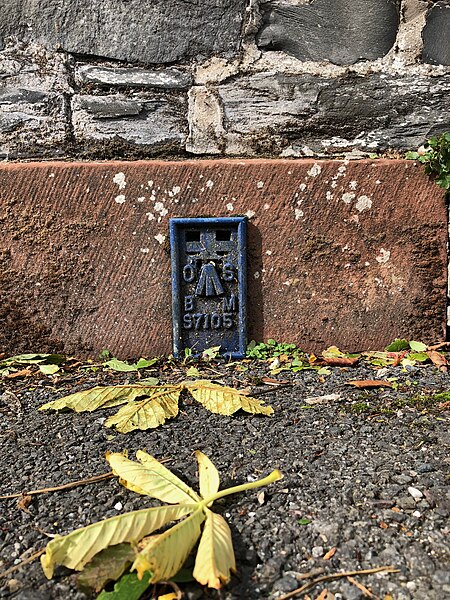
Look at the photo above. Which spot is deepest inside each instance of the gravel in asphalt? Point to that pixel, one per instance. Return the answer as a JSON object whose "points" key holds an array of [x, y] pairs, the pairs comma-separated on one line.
{"points": [[365, 472]]}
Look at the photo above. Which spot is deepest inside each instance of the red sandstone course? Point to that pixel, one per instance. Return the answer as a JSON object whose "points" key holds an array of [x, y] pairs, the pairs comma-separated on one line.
{"points": [[345, 253]]}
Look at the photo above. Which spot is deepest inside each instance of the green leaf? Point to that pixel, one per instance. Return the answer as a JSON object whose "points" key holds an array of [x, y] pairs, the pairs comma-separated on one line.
{"points": [[211, 353], [167, 552], [151, 478], [193, 372], [224, 400], [107, 565], [304, 521], [143, 363], [412, 155], [148, 413], [418, 346], [119, 365], [99, 397], [215, 555], [418, 356], [48, 369], [32, 359], [129, 587], [208, 475], [324, 371], [398, 345], [148, 381], [76, 549]]}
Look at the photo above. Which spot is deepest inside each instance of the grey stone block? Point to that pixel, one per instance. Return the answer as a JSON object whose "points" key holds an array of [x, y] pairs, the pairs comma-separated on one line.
{"points": [[436, 35], [301, 114], [146, 121], [342, 32], [134, 77], [147, 31], [18, 95], [106, 107]]}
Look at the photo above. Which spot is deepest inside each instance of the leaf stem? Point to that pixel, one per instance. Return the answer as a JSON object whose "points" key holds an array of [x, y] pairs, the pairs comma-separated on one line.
{"points": [[274, 476]]}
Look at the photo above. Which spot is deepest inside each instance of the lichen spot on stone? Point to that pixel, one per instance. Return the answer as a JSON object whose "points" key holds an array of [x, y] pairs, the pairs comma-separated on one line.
{"points": [[120, 199], [363, 203], [174, 191], [150, 216], [353, 185], [250, 214], [298, 214], [383, 256], [161, 209], [209, 184], [230, 207], [348, 197], [145, 250], [315, 170], [302, 187], [260, 184], [160, 238], [119, 179]]}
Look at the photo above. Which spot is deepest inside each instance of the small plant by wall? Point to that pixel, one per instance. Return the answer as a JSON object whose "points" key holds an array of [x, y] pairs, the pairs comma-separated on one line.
{"points": [[435, 156]]}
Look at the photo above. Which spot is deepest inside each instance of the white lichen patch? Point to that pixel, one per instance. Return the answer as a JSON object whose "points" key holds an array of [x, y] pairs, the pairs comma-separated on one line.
{"points": [[266, 206], [119, 179], [209, 184], [120, 199], [174, 191], [363, 203], [150, 183], [315, 170], [353, 185], [329, 195], [160, 238], [383, 256], [348, 197], [141, 199], [161, 209], [302, 187], [298, 214], [269, 252], [150, 216], [250, 214], [230, 207], [145, 250], [260, 184]]}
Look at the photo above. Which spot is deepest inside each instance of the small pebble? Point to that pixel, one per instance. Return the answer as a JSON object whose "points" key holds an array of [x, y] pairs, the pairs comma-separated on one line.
{"points": [[317, 551], [118, 506], [415, 493]]}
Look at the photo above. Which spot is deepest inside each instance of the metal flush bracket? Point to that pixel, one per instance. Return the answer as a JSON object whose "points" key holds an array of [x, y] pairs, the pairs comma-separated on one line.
{"points": [[209, 284]]}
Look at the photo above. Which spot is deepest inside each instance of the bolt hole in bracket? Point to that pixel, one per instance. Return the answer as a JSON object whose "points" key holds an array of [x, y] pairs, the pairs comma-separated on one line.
{"points": [[209, 284]]}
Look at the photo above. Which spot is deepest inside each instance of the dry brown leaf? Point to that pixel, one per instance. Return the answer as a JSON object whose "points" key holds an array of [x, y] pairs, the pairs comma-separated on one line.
{"points": [[370, 383], [338, 361], [323, 595], [438, 360], [270, 381], [330, 553], [17, 374], [362, 588], [383, 525], [24, 502]]}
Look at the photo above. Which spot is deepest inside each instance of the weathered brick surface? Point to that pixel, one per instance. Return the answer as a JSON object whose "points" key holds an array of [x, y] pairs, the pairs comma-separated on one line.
{"points": [[352, 254]]}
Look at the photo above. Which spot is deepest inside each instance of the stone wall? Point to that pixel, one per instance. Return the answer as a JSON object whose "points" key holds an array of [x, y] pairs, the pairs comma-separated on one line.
{"points": [[183, 78]]}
